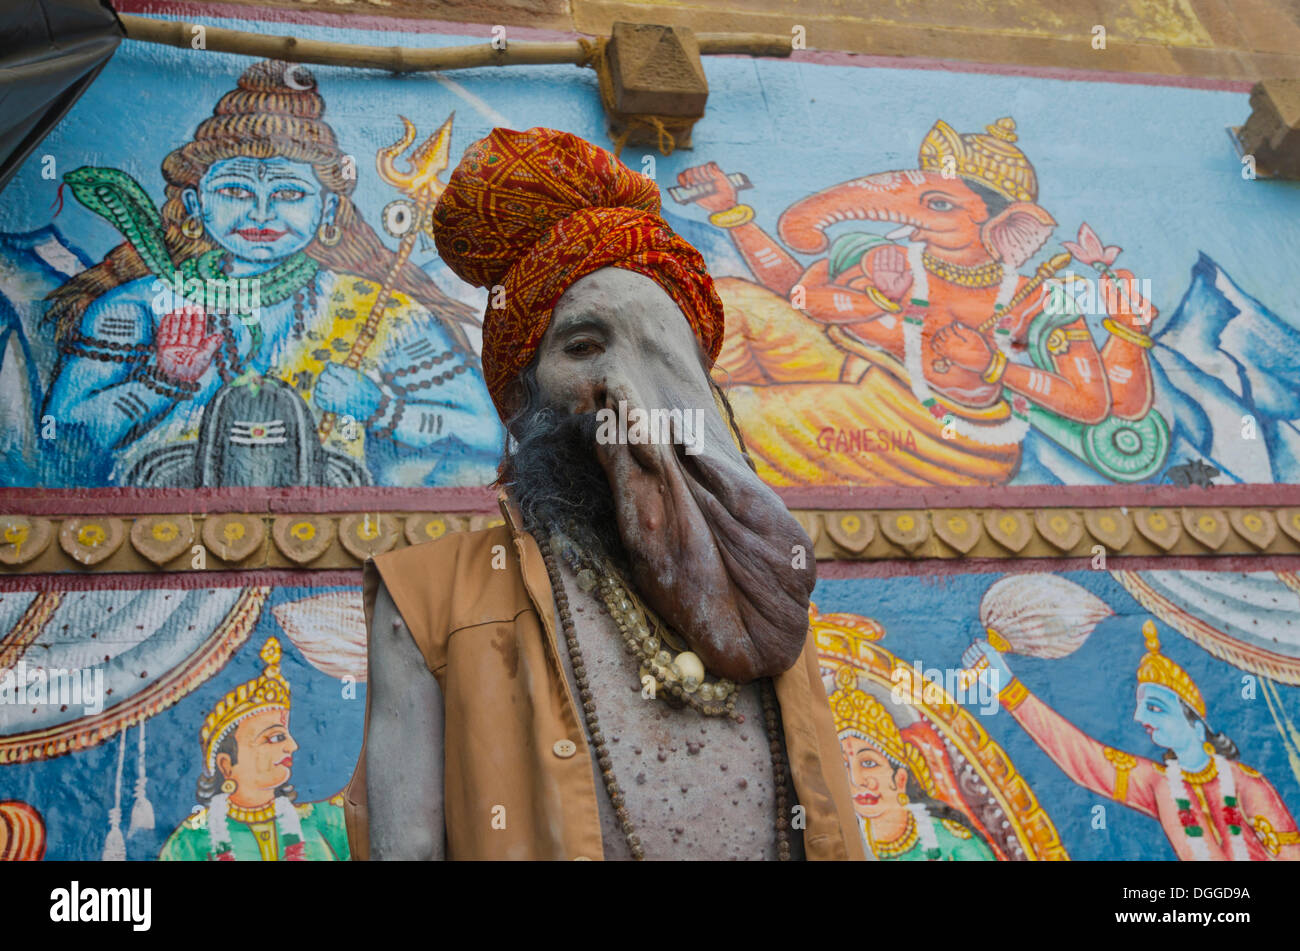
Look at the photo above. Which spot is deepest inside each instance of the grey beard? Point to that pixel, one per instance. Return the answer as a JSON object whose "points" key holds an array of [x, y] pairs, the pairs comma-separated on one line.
{"points": [[553, 475]]}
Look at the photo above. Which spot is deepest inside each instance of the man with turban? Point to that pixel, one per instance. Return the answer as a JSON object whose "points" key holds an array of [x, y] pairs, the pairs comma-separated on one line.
{"points": [[624, 668]]}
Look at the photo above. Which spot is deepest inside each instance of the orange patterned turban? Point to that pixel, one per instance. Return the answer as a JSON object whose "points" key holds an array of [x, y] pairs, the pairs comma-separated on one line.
{"points": [[535, 211]]}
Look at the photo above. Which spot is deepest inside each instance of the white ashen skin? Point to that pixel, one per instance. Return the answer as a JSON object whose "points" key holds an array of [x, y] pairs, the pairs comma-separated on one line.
{"points": [[714, 550]]}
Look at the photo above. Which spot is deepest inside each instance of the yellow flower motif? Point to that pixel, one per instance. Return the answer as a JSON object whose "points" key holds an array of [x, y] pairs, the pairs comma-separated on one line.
{"points": [[92, 535], [165, 531], [1059, 523], [906, 523], [233, 531], [1158, 522], [435, 528], [1008, 524], [957, 524], [850, 523], [1252, 522], [303, 531], [16, 534]]}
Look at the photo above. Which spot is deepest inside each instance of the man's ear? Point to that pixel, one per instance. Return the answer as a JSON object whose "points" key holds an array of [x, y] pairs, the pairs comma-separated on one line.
{"points": [[1015, 234], [223, 764], [190, 199]]}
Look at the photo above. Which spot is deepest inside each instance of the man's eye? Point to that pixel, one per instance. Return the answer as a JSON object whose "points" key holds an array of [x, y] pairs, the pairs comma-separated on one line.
{"points": [[234, 191], [289, 194], [939, 204], [581, 348]]}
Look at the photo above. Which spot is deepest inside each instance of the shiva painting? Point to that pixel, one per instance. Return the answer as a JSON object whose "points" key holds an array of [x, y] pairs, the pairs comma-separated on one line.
{"points": [[255, 330], [246, 809]]}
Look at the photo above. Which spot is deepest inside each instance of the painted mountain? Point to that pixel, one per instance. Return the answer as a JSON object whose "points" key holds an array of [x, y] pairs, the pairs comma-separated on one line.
{"points": [[1228, 381], [31, 265]]}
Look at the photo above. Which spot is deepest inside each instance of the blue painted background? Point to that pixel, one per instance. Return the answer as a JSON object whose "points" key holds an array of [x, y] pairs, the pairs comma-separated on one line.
{"points": [[1150, 168]]}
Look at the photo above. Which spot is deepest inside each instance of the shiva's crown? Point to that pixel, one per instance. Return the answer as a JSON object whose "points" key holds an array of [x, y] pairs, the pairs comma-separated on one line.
{"points": [[1156, 668], [990, 159], [270, 691]]}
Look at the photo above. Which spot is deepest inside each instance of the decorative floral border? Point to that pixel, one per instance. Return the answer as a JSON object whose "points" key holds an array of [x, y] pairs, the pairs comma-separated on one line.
{"points": [[332, 540]]}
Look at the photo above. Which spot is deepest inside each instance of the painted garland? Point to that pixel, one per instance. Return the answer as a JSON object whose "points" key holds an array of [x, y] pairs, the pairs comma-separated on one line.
{"points": [[288, 828], [925, 826], [1008, 432], [1177, 788]]}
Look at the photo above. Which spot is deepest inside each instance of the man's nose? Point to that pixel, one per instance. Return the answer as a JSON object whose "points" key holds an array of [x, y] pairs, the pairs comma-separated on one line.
{"points": [[592, 395]]}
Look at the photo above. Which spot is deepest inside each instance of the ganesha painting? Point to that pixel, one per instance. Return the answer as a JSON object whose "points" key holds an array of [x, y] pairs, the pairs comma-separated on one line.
{"points": [[924, 356]]}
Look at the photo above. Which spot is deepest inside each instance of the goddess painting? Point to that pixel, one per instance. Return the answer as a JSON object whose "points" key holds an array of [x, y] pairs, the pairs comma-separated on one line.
{"points": [[922, 356], [246, 809], [894, 794], [256, 331], [1210, 804], [928, 782]]}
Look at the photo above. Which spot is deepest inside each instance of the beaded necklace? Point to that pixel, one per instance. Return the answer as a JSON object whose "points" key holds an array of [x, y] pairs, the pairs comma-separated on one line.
{"points": [[295, 277], [547, 543]]}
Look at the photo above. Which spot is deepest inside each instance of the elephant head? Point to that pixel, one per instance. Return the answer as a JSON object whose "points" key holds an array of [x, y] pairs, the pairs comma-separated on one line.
{"points": [[972, 200], [706, 543]]}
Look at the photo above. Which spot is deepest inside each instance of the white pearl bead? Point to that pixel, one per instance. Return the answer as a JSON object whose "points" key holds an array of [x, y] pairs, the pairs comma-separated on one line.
{"points": [[690, 665]]}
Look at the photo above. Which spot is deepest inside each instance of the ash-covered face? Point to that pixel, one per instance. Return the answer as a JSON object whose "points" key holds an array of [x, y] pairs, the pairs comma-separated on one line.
{"points": [[708, 545]]}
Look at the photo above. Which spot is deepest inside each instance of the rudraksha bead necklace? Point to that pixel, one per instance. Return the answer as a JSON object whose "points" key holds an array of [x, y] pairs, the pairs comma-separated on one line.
{"points": [[626, 618]]}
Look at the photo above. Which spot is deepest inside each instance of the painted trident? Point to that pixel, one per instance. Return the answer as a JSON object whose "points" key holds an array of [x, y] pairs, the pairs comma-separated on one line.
{"points": [[403, 218]]}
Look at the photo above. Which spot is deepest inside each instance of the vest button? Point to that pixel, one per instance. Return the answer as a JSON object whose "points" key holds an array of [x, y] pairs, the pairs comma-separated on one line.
{"points": [[564, 748]]}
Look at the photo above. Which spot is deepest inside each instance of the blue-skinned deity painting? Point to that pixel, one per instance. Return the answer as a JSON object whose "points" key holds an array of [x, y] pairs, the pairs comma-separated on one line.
{"points": [[255, 330]]}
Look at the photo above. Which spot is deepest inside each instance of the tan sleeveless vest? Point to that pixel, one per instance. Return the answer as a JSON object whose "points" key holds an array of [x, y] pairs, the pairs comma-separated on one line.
{"points": [[489, 637]]}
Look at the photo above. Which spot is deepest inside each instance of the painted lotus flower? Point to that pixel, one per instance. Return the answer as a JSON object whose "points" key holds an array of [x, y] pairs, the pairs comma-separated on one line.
{"points": [[1089, 249]]}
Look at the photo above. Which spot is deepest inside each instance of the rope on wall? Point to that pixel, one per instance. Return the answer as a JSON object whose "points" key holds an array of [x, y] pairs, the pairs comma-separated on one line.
{"points": [[665, 128]]}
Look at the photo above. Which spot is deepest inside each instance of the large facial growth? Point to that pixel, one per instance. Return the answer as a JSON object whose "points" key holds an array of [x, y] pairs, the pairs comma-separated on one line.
{"points": [[711, 548]]}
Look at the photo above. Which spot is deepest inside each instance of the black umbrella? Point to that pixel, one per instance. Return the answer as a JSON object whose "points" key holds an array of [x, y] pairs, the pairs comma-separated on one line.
{"points": [[50, 53]]}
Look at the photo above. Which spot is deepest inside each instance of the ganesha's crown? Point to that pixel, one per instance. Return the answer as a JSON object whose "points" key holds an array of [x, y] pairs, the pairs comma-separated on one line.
{"points": [[857, 713], [1156, 668], [266, 692], [989, 158]]}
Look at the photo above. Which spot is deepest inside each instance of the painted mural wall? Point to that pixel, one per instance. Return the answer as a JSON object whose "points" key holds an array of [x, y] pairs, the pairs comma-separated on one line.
{"points": [[1124, 307], [1112, 684], [1125, 295]]}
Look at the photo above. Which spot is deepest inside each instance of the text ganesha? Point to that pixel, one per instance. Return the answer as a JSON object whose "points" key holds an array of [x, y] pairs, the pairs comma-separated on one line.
{"points": [[865, 440]]}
